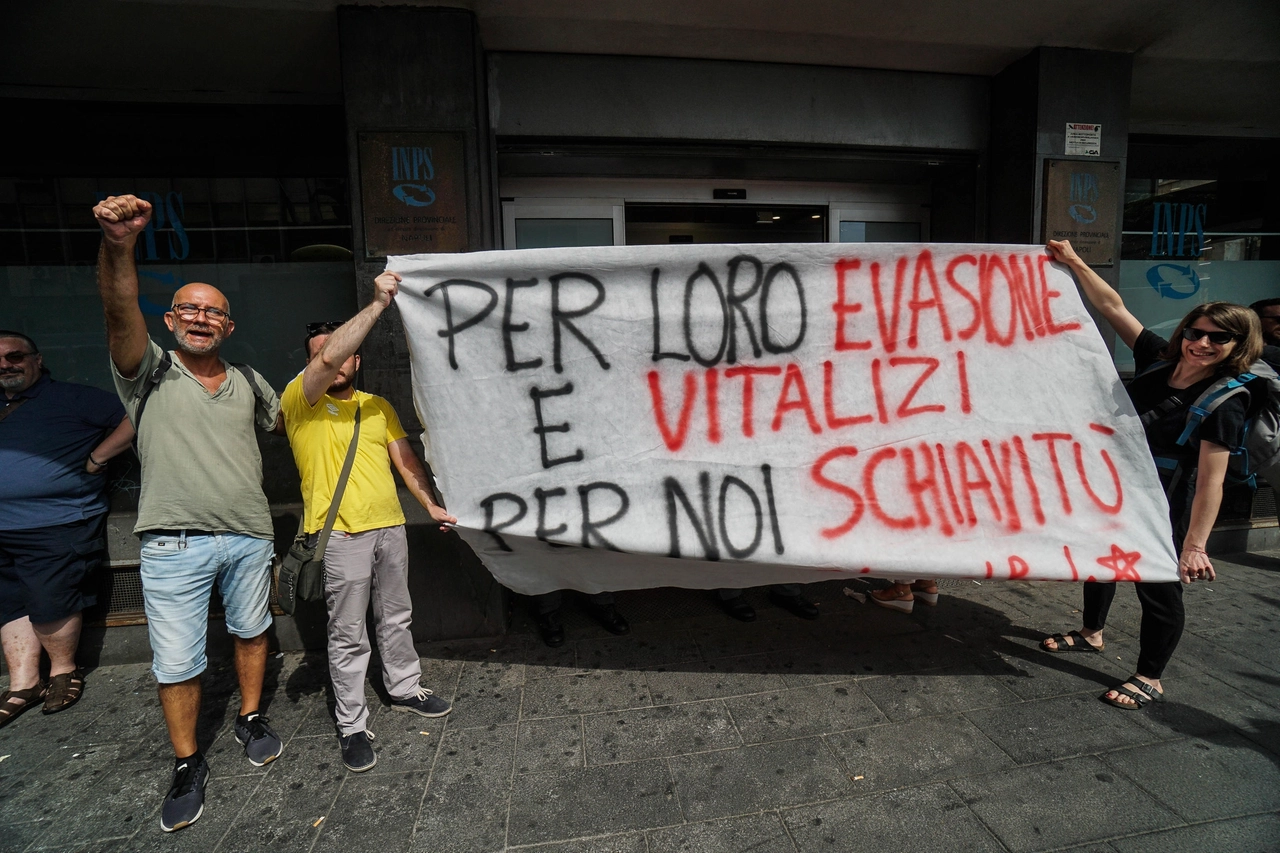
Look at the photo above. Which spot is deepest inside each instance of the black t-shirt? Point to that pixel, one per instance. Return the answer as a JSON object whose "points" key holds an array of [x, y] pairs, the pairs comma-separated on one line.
{"points": [[1225, 426]]}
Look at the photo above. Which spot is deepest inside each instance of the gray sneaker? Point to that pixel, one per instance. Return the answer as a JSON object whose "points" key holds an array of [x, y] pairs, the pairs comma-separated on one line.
{"points": [[184, 803], [260, 743], [424, 703], [357, 751]]}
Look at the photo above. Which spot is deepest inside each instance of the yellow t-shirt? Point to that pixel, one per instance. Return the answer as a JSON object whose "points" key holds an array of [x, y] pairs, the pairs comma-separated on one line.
{"points": [[320, 436]]}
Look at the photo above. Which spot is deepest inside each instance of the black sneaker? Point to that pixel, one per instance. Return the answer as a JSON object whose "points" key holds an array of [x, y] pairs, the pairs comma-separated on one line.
{"points": [[184, 803], [550, 628], [609, 617], [260, 743], [357, 751], [423, 703]]}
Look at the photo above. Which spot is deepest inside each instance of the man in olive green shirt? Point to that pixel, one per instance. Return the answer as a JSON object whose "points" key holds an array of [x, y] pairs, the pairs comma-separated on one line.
{"points": [[202, 515]]}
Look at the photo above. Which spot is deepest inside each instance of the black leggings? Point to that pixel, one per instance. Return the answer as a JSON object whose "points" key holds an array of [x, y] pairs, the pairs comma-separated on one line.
{"points": [[1162, 620]]}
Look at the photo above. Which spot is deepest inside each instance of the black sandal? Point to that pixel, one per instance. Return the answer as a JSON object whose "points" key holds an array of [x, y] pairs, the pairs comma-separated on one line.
{"points": [[1141, 699], [64, 691], [1078, 643], [10, 710]]}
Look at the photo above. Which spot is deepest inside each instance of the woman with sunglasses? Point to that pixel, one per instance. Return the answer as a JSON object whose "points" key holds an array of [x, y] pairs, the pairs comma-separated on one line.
{"points": [[1214, 340]]}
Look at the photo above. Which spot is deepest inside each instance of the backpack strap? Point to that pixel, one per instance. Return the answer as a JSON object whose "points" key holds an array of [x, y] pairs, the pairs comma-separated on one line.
{"points": [[149, 384], [1213, 397], [1164, 407]]}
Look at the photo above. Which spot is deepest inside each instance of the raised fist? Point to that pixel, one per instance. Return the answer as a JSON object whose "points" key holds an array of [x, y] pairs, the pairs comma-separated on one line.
{"points": [[385, 288], [122, 217]]}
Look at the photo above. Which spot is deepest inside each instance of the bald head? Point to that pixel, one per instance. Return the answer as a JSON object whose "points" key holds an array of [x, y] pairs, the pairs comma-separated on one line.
{"points": [[204, 295]]}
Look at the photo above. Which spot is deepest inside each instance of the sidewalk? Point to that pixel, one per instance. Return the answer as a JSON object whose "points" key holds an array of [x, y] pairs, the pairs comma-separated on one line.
{"points": [[863, 731]]}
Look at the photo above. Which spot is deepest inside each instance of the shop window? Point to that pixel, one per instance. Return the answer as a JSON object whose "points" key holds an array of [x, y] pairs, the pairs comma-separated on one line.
{"points": [[551, 232], [280, 248], [1192, 240]]}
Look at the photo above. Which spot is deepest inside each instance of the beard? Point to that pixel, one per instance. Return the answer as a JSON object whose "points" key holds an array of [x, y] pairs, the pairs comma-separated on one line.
{"points": [[196, 346], [14, 381], [341, 383]]}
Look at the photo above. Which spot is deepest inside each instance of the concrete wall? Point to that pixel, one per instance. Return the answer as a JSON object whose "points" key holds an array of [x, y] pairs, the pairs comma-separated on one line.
{"points": [[539, 94]]}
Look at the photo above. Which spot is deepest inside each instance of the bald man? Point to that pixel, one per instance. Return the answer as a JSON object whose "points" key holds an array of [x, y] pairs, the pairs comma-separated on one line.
{"points": [[202, 515]]}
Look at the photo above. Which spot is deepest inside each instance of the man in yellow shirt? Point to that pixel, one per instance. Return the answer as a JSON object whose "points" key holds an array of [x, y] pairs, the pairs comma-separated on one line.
{"points": [[367, 558]]}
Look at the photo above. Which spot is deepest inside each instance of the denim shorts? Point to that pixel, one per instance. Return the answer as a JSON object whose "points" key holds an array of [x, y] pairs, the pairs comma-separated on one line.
{"points": [[179, 569]]}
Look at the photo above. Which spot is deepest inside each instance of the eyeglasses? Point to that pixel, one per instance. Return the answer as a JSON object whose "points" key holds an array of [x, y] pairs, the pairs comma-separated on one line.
{"points": [[17, 357], [187, 311], [1219, 338], [328, 327]]}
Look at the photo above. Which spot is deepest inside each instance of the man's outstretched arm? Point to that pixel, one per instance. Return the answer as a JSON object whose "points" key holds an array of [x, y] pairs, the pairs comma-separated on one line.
{"points": [[122, 219], [346, 339], [415, 478]]}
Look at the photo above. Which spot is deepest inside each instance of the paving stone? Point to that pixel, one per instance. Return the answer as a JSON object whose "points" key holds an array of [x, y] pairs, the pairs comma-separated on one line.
{"points": [[373, 813], [803, 711], [1254, 834], [1050, 729], [466, 800], [638, 652], [748, 832], [737, 638], [400, 743], [1245, 675], [1205, 778], [712, 680], [549, 744], [20, 836], [570, 803], [298, 791], [542, 661], [904, 697], [124, 799], [1024, 806], [630, 842], [1034, 674], [926, 819], [827, 664], [1201, 704], [926, 750], [1268, 737], [488, 694], [718, 784], [659, 731], [585, 693]]}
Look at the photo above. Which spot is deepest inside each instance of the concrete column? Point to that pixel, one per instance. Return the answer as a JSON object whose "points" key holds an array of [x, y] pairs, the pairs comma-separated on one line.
{"points": [[416, 69], [1031, 103]]}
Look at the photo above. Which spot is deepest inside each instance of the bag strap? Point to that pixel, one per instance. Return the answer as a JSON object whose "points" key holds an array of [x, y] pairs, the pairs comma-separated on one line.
{"points": [[12, 407], [153, 379], [1213, 397], [337, 492]]}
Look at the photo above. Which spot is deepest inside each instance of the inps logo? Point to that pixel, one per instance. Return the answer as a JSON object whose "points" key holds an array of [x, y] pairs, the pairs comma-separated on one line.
{"points": [[1084, 191], [1173, 281], [412, 163]]}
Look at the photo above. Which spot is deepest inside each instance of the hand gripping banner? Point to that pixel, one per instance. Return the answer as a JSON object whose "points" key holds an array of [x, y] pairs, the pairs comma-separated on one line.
{"points": [[733, 415]]}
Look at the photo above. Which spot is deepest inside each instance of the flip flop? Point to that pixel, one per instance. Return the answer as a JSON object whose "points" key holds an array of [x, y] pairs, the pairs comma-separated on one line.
{"points": [[1141, 699], [10, 710], [1078, 643]]}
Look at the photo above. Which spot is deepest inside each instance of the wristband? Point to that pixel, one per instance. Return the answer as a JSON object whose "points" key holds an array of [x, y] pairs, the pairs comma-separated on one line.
{"points": [[96, 463]]}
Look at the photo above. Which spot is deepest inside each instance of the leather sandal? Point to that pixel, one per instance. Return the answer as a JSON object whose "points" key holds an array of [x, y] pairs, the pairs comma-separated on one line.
{"points": [[1073, 641], [925, 593], [1142, 697], [64, 691], [14, 702], [889, 598]]}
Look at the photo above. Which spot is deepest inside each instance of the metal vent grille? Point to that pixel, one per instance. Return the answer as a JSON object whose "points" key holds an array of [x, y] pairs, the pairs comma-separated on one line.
{"points": [[1264, 503], [120, 598]]}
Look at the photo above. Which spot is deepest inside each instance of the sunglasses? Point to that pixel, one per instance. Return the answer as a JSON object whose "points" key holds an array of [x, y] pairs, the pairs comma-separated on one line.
{"points": [[17, 357], [1219, 338], [328, 327]]}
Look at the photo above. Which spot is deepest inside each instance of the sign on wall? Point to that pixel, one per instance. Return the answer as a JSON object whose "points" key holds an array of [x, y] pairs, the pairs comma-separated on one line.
{"points": [[1082, 204], [1083, 140], [413, 192], [718, 416]]}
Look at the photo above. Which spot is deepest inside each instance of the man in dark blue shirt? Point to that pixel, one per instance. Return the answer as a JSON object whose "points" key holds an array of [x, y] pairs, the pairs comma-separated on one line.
{"points": [[55, 440]]}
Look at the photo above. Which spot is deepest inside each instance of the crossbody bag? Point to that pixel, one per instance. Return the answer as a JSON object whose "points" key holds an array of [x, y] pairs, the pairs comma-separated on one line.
{"points": [[302, 569]]}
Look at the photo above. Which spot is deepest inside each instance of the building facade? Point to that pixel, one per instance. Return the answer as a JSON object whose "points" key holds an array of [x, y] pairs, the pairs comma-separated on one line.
{"points": [[290, 145]]}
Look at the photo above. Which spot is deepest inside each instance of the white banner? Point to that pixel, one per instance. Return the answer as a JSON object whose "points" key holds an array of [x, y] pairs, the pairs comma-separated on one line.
{"points": [[733, 415]]}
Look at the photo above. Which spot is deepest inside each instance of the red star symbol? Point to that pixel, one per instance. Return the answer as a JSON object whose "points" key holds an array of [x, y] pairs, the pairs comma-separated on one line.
{"points": [[1122, 562]]}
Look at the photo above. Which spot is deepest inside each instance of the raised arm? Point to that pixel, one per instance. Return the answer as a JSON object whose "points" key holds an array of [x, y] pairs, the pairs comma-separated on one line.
{"points": [[346, 339], [122, 219], [415, 477], [1101, 295]]}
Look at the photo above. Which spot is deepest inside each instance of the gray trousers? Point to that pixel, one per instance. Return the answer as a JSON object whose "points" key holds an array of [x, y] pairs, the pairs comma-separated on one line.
{"points": [[364, 571]]}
